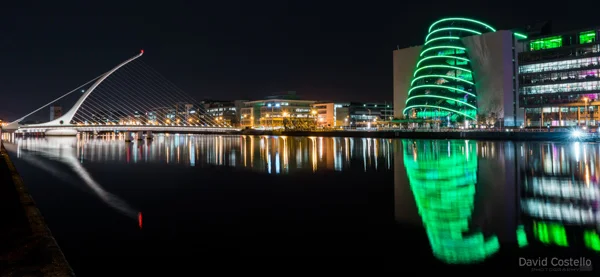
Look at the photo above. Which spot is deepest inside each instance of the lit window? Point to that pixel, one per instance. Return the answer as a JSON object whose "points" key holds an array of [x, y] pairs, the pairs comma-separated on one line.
{"points": [[546, 43], [587, 37]]}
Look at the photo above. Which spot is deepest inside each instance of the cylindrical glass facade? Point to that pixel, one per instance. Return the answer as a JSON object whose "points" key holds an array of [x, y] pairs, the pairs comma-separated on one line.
{"points": [[443, 86]]}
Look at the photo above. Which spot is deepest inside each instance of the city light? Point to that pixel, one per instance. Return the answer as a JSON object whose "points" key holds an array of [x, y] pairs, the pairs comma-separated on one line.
{"points": [[576, 134]]}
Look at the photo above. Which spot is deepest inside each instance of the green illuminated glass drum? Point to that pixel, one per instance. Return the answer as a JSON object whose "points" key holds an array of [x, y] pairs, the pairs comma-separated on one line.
{"points": [[443, 84]]}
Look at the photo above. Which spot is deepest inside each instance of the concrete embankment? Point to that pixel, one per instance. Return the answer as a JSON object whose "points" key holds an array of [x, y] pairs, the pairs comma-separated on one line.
{"points": [[27, 247], [476, 135]]}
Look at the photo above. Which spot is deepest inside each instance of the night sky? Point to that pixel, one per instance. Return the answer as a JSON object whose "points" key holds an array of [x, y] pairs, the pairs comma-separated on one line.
{"points": [[324, 50]]}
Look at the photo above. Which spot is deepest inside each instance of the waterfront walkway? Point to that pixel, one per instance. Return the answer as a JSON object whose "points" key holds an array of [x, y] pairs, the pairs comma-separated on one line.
{"points": [[512, 135], [27, 247]]}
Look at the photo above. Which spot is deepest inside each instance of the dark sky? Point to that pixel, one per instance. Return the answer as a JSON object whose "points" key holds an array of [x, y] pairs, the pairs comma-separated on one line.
{"points": [[329, 50]]}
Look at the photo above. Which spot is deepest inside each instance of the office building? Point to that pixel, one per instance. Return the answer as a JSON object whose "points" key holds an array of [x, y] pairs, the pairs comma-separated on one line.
{"points": [[227, 112], [364, 115], [55, 112], [286, 111], [464, 72], [327, 114], [559, 79]]}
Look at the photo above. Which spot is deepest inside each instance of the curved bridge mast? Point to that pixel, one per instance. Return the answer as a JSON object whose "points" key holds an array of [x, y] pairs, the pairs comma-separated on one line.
{"points": [[65, 119]]}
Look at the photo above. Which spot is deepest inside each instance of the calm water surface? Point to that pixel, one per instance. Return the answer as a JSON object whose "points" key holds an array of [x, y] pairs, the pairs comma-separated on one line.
{"points": [[287, 204]]}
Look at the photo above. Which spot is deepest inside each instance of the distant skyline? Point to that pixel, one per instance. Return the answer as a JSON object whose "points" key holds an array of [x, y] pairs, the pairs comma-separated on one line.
{"points": [[331, 50]]}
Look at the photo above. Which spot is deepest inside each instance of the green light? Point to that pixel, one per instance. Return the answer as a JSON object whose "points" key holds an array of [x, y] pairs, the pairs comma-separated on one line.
{"points": [[442, 176], [440, 86], [550, 233], [521, 236], [434, 39], [441, 76], [519, 35], [441, 97], [462, 19], [591, 240], [450, 62], [443, 56], [443, 108], [452, 28], [587, 37], [440, 66], [546, 43], [444, 47]]}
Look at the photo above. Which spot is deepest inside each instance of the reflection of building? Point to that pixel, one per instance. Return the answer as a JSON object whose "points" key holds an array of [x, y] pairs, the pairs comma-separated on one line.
{"points": [[560, 194], [443, 178], [278, 112], [55, 112], [364, 115], [559, 77], [464, 71]]}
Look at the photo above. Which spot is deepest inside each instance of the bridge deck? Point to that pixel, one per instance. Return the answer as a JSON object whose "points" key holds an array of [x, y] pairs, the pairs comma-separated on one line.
{"points": [[130, 128]]}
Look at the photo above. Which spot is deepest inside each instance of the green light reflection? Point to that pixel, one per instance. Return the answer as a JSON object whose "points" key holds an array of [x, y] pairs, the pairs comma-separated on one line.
{"points": [[591, 240], [442, 176], [522, 236], [550, 233]]}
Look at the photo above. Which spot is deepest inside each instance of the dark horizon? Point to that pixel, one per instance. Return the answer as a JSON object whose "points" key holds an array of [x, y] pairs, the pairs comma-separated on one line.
{"points": [[237, 50]]}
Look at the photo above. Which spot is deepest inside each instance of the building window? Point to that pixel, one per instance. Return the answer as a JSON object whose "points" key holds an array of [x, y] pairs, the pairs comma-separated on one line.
{"points": [[558, 88], [587, 37], [561, 65], [546, 43]]}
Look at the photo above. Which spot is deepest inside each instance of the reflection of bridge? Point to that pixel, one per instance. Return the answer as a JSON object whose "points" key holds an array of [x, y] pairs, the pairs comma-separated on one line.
{"points": [[130, 97]]}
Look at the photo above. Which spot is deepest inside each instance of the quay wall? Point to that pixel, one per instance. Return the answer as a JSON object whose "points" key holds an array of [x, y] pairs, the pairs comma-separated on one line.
{"points": [[30, 247]]}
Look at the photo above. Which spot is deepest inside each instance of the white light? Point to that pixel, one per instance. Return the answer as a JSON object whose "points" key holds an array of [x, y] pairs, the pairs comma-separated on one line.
{"points": [[576, 134]]}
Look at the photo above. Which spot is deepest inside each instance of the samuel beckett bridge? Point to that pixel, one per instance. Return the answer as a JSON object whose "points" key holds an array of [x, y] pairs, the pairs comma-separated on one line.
{"points": [[131, 97]]}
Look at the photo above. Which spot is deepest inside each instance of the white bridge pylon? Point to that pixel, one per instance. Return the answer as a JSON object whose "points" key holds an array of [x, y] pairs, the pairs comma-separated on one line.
{"points": [[66, 118], [149, 100]]}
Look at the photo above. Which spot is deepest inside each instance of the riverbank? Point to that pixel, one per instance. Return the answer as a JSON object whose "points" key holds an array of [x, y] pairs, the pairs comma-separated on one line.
{"points": [[27, 247], [542, 135]]}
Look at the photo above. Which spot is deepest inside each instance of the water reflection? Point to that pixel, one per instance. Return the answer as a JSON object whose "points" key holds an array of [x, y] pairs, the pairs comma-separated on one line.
{"points": [[63, 150], [560, 194], [467, 194], [443, 178], [270, 154], [473, 198]]}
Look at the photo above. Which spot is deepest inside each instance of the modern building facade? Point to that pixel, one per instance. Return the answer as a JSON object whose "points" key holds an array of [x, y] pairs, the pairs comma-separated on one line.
{"points": [[55, 112], [327, 114], [559, 79], [226, 111], [364, 115], [278, 112], [464, 72]]}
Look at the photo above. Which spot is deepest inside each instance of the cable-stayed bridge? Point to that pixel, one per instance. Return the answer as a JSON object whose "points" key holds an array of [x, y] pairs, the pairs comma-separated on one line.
{"points": [[131, 97]]}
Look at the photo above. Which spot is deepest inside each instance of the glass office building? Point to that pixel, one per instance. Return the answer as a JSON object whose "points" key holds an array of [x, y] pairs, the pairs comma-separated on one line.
{"points": [[559, 79]]}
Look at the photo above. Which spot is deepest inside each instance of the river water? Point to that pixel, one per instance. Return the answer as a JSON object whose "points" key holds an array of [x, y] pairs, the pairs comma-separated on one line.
{"points": [[193, 204]]}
